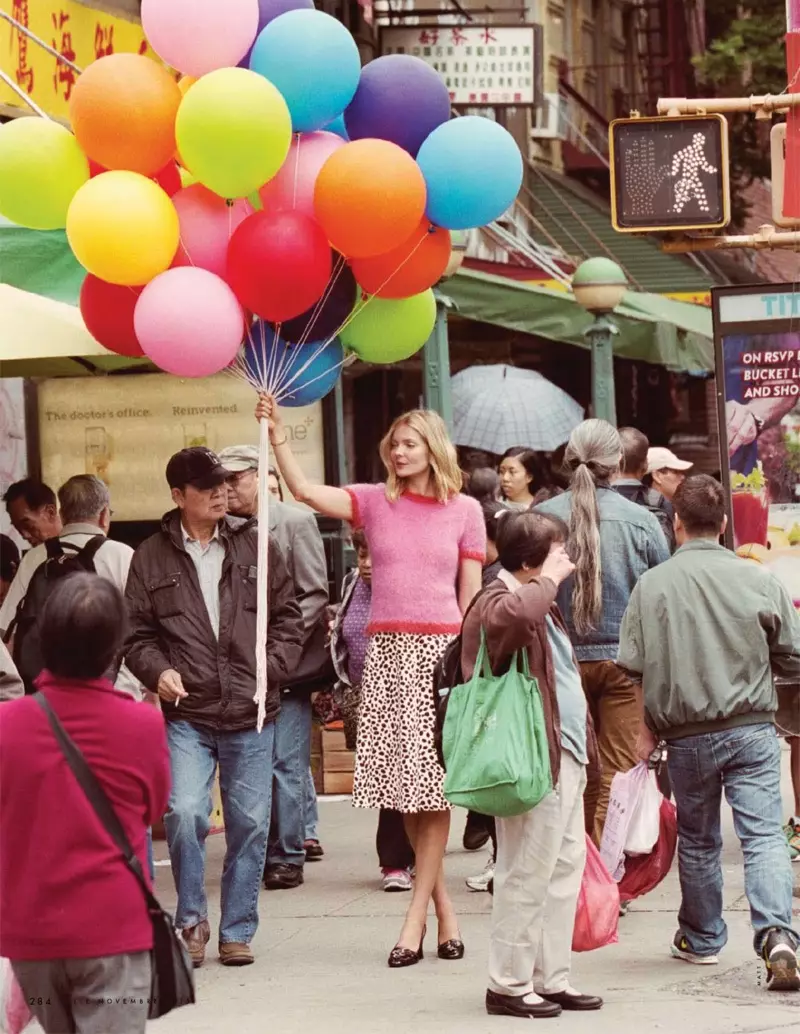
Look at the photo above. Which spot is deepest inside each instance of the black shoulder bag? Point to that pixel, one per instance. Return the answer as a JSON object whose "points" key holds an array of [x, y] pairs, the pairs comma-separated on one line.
{"points": [[172, 978]]}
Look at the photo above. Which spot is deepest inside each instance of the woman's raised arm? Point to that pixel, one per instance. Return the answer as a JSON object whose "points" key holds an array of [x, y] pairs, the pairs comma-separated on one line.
{"points": [[325, 499]]}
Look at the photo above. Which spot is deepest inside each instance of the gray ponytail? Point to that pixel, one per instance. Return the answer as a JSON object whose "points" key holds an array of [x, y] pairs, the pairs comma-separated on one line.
{"points": [[592, 456]]}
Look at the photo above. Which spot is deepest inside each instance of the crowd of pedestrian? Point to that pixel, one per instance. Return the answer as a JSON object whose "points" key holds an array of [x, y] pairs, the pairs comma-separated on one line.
{"points": [[602, 565]]}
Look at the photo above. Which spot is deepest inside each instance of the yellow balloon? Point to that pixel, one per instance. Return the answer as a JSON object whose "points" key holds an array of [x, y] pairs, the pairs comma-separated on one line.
{"points": [[123, 228]]}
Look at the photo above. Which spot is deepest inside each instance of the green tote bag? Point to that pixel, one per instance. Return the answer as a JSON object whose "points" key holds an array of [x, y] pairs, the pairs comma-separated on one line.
{"points": [[494, 740]]}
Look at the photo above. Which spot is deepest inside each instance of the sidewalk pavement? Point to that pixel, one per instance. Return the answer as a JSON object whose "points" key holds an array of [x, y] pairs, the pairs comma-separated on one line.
{"points": [[321, 957]]}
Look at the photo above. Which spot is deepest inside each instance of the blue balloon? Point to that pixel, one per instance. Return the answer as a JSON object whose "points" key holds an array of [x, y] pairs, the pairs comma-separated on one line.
{"points": [[314, 62], [268, 10], [299, 374], [338, 127], [473, 172]]}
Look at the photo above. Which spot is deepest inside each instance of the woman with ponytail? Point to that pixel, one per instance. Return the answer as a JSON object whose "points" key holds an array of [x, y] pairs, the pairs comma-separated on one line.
{"points": [[612, 542]]}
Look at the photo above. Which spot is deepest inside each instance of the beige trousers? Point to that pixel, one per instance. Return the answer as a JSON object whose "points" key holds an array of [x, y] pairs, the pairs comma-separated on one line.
{"points": [[537, 879]]}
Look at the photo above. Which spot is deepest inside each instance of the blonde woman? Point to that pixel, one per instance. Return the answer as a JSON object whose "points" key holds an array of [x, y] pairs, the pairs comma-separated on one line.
{"points": [[427, 542], [612, 542]]}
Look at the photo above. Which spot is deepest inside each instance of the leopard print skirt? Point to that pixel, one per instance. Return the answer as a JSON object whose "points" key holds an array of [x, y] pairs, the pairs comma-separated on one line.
{"points": [[396, 763]]}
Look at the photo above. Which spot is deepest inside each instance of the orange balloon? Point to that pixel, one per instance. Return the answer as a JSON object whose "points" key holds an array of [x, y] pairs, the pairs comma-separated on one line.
{"points": [[123, 110], [185, 82], [369, 197], [415, 266]]}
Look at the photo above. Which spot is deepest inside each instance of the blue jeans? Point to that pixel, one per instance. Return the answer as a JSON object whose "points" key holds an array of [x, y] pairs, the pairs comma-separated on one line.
{"points": [[290, 781], [746, 762], [312, 811], [245, 779]]}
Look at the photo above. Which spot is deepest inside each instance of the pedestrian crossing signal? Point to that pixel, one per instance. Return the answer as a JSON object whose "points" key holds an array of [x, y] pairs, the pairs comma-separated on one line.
{"points": [[669, 174]]}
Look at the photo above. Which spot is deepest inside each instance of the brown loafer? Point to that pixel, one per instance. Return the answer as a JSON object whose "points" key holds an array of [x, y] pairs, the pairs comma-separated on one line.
{"points": [[196, 938], [235, 953]]}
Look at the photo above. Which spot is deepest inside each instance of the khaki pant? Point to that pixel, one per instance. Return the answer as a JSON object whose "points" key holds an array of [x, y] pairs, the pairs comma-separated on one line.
{"points": [[537, 879], [107, 995], [617, 711]]}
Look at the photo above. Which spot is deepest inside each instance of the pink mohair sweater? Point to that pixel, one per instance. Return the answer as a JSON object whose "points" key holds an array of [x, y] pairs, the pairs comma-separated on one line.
{"points": [[416, 545]]}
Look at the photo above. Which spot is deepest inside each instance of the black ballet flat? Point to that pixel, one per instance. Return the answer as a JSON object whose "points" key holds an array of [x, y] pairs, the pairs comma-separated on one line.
{"points": [[451, 951], [399, 957]]}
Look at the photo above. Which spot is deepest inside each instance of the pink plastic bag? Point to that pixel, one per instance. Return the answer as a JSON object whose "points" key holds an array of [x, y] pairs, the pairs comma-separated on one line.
{"points": [[14, 1012], [597, 916]]}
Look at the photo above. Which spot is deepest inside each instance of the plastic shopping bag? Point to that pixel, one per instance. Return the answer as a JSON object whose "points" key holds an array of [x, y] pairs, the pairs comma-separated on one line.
{"points": [[14, 1012], [644, 873], [646, 821], [626, 790], [597, 915]]}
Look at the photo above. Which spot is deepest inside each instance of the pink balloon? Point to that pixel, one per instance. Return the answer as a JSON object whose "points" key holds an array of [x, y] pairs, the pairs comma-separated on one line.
{"points": [[189, 322], [207, 224], [293, 187], [199, 36]]}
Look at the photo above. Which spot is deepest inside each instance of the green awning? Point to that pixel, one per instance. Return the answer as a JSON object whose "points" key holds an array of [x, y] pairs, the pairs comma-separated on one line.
{"points": [[651, 328]]}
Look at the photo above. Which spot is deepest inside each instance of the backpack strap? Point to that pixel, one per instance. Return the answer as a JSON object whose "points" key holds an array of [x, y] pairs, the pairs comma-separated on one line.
{"points": [[86, 555], [55, 548]]}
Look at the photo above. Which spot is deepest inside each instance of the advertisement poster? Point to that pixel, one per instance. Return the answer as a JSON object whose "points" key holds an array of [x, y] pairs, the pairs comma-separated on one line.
{"points": [[757, 342], [124, 429]]}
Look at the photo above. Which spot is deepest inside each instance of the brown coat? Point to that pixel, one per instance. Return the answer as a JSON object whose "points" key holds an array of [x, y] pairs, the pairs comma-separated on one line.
{"points": [[512, 621], [169, 625]]}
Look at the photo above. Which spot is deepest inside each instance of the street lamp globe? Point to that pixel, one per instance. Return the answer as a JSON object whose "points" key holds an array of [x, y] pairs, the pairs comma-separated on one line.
{"points": [[599, 285]]}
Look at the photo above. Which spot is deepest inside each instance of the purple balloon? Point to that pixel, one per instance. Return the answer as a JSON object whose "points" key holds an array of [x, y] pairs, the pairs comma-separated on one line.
{"points": [[269, 10], [321, 325], [400, 99]]}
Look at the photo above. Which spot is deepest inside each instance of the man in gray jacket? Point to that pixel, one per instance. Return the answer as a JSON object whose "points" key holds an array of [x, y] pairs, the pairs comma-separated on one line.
{"points": [[293, 837], [704, 632]]}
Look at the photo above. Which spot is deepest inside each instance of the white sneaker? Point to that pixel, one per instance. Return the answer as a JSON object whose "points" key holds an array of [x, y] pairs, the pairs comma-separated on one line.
{"points": [[481, 882]]}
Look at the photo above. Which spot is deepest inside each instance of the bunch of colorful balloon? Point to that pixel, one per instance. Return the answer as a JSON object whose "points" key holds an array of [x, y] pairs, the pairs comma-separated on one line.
{"points": [[275, 182]]}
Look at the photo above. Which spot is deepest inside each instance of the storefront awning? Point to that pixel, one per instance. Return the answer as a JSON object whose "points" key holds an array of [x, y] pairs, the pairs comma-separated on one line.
{"points": [[40, 337], [652, 328]]}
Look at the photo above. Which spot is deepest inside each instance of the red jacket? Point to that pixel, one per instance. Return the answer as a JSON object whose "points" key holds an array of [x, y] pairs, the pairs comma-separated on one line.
{"points": [[64, 886]]}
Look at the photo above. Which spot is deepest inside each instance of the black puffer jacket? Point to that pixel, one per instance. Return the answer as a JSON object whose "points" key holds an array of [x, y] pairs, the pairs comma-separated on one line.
{"points": [[170, 627]]}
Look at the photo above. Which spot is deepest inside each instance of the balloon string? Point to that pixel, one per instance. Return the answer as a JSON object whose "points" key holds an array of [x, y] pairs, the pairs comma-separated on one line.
{"points": [[337, 271], [296, 171]]}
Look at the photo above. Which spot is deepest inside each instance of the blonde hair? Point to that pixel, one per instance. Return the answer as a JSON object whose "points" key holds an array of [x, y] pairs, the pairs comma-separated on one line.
{"points": [[593, 454], [447, 477]]}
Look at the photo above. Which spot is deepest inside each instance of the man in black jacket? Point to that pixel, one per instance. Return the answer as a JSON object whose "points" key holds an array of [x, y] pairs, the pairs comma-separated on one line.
{"points": [[293, 838], [192, 598]]}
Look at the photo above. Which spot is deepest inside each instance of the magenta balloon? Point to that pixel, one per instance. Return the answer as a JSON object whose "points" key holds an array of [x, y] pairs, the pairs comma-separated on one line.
{"points": [[189, 322], [293, 187], [207, 224]]}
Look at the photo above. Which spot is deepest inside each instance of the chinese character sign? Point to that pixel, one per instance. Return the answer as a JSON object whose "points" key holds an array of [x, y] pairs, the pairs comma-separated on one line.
{"points": [[480, 64], [669, 173], [81, 34]]}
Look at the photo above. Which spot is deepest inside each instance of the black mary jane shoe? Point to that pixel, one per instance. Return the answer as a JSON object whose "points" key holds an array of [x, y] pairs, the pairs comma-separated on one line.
{"points": [[508, 1005], [570, 1002], [451, 950], [399, 957]]}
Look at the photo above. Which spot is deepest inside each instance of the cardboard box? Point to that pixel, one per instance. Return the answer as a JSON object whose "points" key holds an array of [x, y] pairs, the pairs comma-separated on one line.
{"points": [[333, 740], [337, 782]]}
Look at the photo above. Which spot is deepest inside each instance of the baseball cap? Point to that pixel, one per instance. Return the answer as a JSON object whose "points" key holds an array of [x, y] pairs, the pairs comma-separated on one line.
{"points": [[237, 458], [197, 466], [659, 458]]}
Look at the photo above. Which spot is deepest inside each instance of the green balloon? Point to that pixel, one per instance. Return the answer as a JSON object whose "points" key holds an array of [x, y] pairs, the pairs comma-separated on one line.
{"points": [[233, 131], [41, 169], [388, 330]]}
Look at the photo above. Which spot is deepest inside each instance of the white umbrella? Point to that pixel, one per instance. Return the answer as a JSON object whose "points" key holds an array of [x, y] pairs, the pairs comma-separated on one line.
{"points": [[498, 407]]}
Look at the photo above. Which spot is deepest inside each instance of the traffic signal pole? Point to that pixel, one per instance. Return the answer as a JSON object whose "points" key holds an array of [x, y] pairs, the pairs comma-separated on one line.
{"points": [[762, 107]]}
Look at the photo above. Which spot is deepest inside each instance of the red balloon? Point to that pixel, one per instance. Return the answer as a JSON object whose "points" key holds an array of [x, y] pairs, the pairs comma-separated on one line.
{"points": [[169, 178], [107, 311], [279, 264]]}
